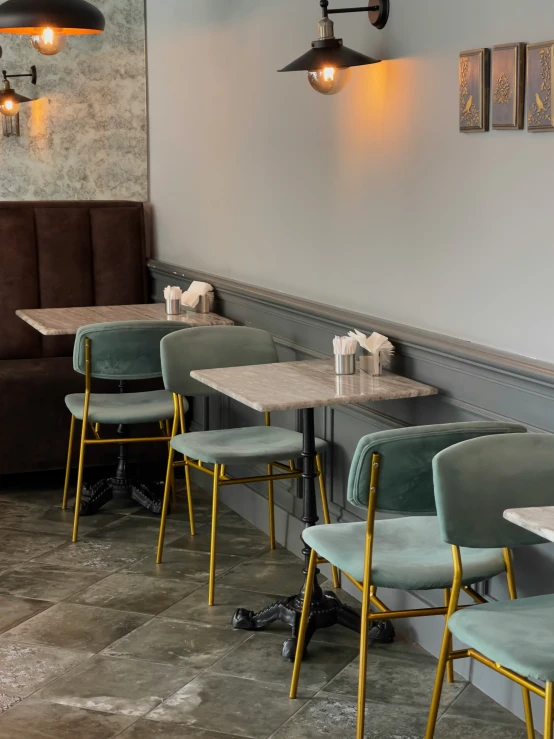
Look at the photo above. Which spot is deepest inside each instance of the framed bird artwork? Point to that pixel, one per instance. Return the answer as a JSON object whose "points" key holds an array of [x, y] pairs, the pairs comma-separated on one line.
{"points": [[539, 86], [474, 90], [508, 86]]}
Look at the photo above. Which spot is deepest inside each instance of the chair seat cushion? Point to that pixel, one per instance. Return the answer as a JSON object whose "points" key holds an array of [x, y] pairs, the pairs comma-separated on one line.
{"points": [[515, 634], [251, 444], [408, 553], [156, 405]]}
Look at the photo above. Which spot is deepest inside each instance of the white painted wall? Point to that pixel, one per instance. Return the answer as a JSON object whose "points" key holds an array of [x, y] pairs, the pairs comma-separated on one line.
{"points": [[256, 177]]}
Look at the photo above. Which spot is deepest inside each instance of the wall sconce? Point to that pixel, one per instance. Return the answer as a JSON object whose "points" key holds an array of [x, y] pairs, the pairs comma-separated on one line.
{"points": [[10, 101], [48, 22], [328, 62]]}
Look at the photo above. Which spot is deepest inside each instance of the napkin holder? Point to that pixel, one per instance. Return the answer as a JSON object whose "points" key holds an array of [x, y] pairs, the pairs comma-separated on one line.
{"points": [[204, 304], [371, 363]]}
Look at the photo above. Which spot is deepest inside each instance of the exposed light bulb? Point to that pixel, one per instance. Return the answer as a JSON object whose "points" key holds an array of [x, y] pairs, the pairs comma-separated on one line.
{"points": [[329, 80], [9, 107], [49, 42]]}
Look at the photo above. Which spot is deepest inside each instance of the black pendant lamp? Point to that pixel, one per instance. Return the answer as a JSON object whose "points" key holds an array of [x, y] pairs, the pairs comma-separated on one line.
{"points": [[328, 62], [48, 22]]}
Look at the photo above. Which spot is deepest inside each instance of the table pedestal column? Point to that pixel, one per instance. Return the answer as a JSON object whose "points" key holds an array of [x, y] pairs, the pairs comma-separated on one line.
{"points": [[149, 495], [326, 608]]}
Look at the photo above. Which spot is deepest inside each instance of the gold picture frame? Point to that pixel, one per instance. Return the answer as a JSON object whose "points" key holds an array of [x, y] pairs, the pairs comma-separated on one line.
{"points": [[474, 81], [540, 66], [508, 86]]}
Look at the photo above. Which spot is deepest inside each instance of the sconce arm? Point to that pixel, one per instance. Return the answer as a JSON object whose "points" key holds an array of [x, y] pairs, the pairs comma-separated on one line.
{"points": [[378, 11], [32, 74], [365, 9]]}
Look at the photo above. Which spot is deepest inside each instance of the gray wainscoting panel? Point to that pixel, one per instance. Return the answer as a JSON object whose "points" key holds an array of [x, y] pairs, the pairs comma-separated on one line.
{"points": [[475, 382]]}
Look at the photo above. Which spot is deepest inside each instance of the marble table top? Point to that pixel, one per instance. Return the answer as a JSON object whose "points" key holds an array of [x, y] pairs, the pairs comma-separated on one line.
{"points": [[67, 321], [309, 384], [539, 520]]}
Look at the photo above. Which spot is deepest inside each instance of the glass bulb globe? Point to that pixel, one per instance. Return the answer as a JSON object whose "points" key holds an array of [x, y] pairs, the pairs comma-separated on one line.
{"points": [[49, 42], [9, 107], [330, 80]]}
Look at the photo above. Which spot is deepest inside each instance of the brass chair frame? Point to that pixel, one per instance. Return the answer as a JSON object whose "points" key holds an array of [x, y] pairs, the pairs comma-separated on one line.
{"points": [[84, 442], [448, 655], [220, 478], [370, 598]]}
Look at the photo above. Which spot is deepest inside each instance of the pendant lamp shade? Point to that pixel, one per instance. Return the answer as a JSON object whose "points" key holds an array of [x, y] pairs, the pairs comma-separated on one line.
{"points": [[328, 53], [69, 17]]}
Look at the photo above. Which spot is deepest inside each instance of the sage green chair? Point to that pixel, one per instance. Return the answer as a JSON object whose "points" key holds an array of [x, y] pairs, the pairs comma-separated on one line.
{"points": [[475, 482], [122, 351], [218, 347], [391, 473]]}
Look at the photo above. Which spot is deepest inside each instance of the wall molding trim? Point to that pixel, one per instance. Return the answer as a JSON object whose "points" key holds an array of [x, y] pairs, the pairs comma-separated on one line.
{"points": [[467, 369], [406, 336]]}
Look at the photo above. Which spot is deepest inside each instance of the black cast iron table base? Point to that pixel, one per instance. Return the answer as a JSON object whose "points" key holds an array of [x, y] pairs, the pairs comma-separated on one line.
{"points": [[327, 611], [149, 496], [94, 497]]}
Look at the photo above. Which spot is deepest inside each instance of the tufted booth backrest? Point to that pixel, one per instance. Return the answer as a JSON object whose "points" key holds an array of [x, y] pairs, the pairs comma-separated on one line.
{"points": [[67, 254]]}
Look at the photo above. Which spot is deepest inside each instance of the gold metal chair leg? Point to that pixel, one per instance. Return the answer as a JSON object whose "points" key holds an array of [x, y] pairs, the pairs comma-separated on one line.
{"points": [[446, 642], [68, 466], [189, 499], [439, 680], [362, 677], [165, 505], [325, 506], [450, 664], [525, 694], [95, 428], [80, 476], [528, 712], [173, 487], [187, 469], [300, 641], [166, 431], [549, 697], [211, 586], [271, 505]]}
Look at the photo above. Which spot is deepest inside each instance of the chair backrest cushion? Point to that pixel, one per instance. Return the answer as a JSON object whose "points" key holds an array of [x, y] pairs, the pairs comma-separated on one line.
{"points": [[405, 473], [475, 482], [210, 347], [123, 350]]}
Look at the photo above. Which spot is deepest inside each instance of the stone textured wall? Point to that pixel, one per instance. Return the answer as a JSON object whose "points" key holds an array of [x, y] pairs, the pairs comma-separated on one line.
{"points": [[86, 135]]}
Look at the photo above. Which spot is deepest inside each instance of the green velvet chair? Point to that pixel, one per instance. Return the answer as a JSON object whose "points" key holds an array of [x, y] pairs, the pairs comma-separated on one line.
{"points": [[122, 351], [475, 482], [391, 473], [274, 447]]}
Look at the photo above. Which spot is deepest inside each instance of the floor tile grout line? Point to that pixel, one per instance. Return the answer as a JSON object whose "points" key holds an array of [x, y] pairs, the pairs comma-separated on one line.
{"points": [[57, 677], [205, 670], [137, 574]]}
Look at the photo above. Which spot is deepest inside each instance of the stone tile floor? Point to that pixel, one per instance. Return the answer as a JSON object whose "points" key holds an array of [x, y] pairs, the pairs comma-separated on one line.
{"points": [[98, 642]]}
